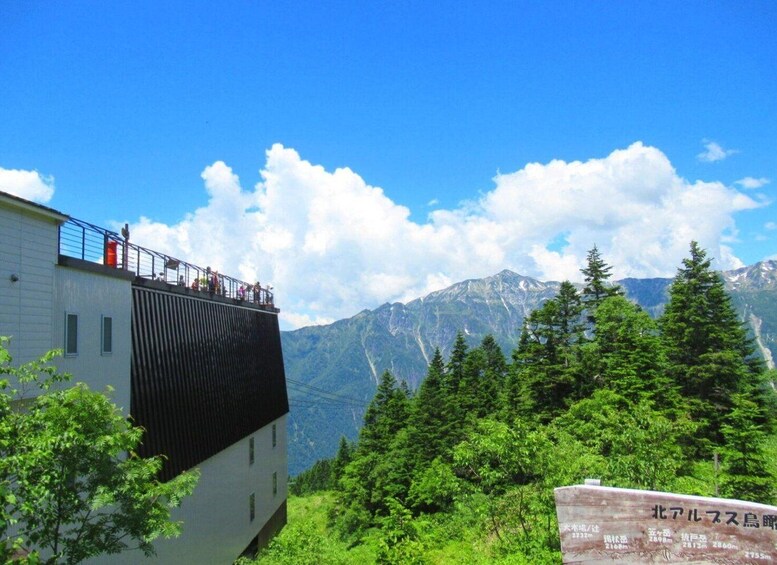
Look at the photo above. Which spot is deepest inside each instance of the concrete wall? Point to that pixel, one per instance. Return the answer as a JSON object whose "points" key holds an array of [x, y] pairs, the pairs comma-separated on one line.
{"points": [[217, 525]]}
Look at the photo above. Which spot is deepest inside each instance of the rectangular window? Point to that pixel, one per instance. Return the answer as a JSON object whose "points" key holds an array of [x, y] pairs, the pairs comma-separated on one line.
{"points": [[71, 335], [252, 506], [107, 336], [251, 451], [274, 436], [274, 484]]}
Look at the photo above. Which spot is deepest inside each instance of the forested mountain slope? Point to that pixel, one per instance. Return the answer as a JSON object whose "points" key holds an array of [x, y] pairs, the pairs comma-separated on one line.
{"points": [[333, 370]]}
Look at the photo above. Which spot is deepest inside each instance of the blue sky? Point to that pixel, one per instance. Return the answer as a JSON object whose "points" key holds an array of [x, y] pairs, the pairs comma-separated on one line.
{"points": [[431, 112]]}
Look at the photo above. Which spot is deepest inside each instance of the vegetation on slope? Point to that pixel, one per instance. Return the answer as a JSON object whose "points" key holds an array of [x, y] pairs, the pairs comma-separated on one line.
{"points": [[466, 466]]}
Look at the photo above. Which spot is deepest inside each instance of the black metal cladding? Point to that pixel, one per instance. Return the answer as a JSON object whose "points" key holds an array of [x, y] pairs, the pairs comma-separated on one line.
{"points": [[204, 375]]}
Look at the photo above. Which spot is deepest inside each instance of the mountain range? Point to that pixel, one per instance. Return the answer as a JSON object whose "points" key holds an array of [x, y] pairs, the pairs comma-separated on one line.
{"points": [[332, 371]]}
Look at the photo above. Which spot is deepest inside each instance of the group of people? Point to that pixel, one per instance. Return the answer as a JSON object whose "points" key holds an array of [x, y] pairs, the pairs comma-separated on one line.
{"points": [[213, 283]]}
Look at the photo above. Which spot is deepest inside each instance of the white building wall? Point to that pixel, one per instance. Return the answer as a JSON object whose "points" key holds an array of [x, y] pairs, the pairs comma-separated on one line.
{"points": [[91, 296], [216, 518], [217, 525], [28, 251]]}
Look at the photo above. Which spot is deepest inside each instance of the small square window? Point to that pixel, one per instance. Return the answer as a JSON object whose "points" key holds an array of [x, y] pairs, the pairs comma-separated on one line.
{"points": [[107, 336], [274, 484], [71, 335], [251, 450], [252, 506], [274, 436]]}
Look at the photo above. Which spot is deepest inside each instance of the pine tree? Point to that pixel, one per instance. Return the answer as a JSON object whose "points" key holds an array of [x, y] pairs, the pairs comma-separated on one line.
{"points": [[747, 471], [545, 363], [385, 416], [494, 374], [381, 462], [569, 327], [710, 355], [631, 356], [429, 423], [341, 460], [469, 394], [517, 399], [597, 272], [455, 370], [452, 383]]}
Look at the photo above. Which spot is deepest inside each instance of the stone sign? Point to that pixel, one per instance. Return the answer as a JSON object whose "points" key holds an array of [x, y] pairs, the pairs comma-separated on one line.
{"points": [[614, 525]]}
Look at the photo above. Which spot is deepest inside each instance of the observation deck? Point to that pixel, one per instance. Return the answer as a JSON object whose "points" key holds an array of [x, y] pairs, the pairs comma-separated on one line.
{"points": [[90, 244]]}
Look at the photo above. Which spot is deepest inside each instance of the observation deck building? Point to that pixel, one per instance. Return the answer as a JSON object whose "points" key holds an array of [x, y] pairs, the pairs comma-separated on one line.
{"points": [[198, 365]]}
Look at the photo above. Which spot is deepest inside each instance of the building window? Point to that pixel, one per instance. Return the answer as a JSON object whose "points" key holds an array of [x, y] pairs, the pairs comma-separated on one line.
{"points": [[274, 484], [71, 335], [106, 347], [274, 436], [252, 506], [251, 450]]}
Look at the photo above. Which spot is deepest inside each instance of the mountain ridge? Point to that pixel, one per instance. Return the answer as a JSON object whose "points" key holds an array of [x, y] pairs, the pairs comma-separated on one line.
{"points": [[348, 356]]}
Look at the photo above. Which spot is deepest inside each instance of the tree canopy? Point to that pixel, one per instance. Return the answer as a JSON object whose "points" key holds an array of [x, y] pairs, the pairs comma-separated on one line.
{"points": [[595, 388], [70, 481]]}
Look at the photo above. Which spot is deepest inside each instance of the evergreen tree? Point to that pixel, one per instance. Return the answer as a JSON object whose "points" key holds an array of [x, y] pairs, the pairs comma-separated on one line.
{"points": [[516, 399], [385, 416], [710, 355], [568, 324], [545, 368], [631, 356], [747, 472], [343, 457], [469, 395], [596, 289], [454, 373], [319, 477], [429, 418], [493, 379], [380, 467]]}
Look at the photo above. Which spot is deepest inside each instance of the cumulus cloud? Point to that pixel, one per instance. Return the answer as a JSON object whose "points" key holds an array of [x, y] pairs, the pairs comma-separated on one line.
{"points": [[750, 182], [771, 226], [332, 244], [714, 152], [30, 185]]}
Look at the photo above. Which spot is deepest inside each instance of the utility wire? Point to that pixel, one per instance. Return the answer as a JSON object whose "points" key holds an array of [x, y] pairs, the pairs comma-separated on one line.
{"points": [[323, 395]]}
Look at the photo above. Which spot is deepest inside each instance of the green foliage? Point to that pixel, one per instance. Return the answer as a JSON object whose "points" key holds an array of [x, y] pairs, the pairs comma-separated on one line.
{"points": [[709, 353], [319, 477], [497, 455], [747, 474], [434, 487], [430, 425], [465, 469], [307, 539], [545, 373], [597, 272], [70, 478], [399, 543], [632, 360]]}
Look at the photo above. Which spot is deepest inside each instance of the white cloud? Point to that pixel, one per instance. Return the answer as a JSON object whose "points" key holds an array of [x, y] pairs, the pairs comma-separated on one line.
{"points": [[333, 245], [770, 226], [714, 152], [750, 182], [30, 185]]}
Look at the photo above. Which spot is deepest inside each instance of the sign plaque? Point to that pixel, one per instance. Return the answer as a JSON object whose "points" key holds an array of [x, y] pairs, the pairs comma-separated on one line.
{"points": [[614, 525]]}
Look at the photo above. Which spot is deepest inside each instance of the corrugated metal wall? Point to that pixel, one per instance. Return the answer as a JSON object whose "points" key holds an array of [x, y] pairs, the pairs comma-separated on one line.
{"points": [[204, 375]]}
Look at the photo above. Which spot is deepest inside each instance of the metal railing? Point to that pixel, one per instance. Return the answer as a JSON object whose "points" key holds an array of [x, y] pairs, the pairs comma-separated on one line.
{"points": [[82, 240]]}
